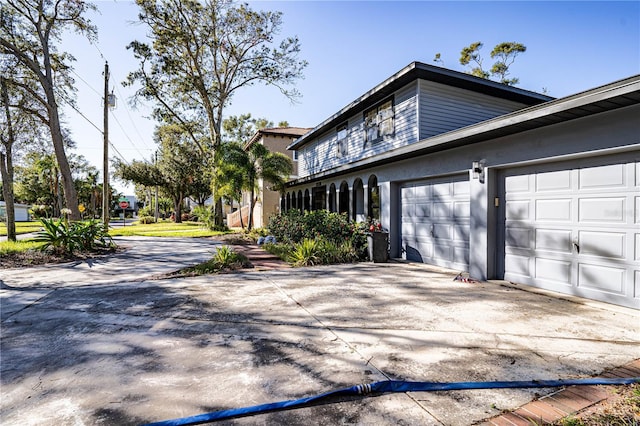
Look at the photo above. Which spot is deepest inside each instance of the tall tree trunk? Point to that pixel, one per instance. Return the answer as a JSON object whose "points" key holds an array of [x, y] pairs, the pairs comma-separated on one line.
{"points": [[70, 194], [6, 169]]}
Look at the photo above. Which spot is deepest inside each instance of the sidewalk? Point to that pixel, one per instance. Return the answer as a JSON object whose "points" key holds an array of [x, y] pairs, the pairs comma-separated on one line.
{"points": [[261, 259]]}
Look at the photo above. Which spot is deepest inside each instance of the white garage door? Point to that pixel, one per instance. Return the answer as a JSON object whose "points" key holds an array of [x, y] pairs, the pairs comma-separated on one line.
{"points": [[435, 221], [575, 228]]}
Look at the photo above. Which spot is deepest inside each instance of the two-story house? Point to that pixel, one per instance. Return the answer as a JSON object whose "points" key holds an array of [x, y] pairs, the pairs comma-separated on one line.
{"points": [[276, 139], [477, 176]]}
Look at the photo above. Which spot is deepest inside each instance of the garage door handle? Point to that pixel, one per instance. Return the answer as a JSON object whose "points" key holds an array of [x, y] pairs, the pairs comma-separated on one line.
{"points": [[577, 246]]}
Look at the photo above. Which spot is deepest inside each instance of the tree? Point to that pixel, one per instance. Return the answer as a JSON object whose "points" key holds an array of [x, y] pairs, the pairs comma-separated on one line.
{"points": [[241, 128], [201, 54], [247, 167], [505, 53], [178, 170], [7, 138], [29, 29]]}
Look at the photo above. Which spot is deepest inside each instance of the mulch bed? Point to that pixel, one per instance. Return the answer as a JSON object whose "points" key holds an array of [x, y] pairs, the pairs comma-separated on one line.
{"points": [[36, 257]]}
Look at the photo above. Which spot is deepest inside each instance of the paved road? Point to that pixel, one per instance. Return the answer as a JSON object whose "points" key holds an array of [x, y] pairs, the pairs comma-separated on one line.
{"points": [[97, 343]]}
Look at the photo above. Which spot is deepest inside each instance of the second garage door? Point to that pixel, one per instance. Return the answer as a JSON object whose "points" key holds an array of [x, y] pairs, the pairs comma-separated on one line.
{"points": [[435, 221], [575, 228]]}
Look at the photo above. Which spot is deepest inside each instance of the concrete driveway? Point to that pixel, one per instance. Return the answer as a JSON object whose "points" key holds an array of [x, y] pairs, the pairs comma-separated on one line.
{"points": [[98, 343]]}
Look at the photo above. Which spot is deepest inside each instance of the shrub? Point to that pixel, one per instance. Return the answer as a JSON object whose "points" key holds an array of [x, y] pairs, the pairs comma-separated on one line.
{"points": [[145, 211], [144, 220], [306, 253], [65, 236], [349, 239]]}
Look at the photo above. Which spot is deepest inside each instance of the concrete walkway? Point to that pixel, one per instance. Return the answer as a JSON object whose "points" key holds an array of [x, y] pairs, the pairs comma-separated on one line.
{"points": [[100, 343]]}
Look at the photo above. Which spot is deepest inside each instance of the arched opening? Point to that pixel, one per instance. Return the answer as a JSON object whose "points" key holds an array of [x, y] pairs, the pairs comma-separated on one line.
{"points": [[332, 197], [293, 200], [283, 204], [307, 201], [373, 209], [358, 201], [343, 198], [288, 202], [300, 201]]}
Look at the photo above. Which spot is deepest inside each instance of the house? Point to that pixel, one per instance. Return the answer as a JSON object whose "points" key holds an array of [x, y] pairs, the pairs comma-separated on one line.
{"points": [[21, 212], [276, 139], [476, 176]]}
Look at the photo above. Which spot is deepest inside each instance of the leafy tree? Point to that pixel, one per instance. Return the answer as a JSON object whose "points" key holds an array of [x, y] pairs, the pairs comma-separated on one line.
{"points": [[178, 170], [505, 53], [201, 53], [240, 128], [254, 164], [28, 32]]}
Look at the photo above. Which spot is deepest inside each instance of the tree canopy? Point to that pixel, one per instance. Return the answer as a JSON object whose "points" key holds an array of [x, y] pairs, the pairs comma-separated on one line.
{"points": [[504, 53], [29, 30]]}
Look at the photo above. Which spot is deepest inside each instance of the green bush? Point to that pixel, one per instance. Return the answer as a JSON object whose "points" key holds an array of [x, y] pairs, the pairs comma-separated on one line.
{"points": [[145, 211], [145, 220], [68, 237], [306, 253], [348, 240]]}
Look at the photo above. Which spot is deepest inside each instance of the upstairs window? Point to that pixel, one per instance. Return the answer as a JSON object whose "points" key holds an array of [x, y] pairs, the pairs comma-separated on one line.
{"points": [[341, 145], [379, 122]]}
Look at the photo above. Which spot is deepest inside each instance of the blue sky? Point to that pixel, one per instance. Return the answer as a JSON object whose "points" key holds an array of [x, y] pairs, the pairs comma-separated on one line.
{"points": [[351, 46]]}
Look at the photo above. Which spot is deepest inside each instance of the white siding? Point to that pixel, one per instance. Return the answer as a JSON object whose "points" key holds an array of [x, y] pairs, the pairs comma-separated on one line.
{"points": [[320, 154], [445, 108]]}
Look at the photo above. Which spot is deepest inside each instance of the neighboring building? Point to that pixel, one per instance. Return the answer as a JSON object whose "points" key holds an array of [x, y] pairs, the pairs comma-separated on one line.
{"points": [[276, 139], [477, 176], [21, 212]]}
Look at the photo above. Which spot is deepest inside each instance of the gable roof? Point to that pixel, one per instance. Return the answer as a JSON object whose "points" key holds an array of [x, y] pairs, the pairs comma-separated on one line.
{"points": [[619, 94], [419, 70], [277, 131]]}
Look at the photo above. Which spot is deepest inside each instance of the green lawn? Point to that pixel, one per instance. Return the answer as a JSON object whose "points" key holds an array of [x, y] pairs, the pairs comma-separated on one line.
{"points": [[165, 229], [22, 227], [9, 247]]}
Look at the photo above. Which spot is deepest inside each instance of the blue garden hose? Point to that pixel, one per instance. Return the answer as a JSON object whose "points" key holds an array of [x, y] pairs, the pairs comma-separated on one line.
{"points": [[387, 386]]}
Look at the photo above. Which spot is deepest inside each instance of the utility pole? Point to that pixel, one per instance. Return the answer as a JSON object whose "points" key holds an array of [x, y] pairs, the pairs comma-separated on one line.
{"points": [[156, 212], [106, 194]]}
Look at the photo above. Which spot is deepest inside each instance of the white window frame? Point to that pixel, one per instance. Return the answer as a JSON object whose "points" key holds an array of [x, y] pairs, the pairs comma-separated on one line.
{"points": [[342, 146], [379, 121]]}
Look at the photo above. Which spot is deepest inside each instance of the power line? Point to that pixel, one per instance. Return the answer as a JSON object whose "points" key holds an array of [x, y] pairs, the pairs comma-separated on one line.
{"points": [[90, 122]]}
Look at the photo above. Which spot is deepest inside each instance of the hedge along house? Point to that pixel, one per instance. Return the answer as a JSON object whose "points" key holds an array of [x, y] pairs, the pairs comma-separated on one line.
{"points": [[276, 139], [477, 176]]}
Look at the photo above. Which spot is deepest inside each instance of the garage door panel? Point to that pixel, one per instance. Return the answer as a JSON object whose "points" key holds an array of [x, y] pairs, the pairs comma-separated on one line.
{"points": [[553, 181], [602, 210], [519, 238], [461, 188], [518, 210], [604, 244], [462, 209], [441, 210], [515, 184], [553, 210], [612, 176], [517, 265], [602, 278], [637, 209], [637, 249], [636, 287], [558, 271], [558, 240]]}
